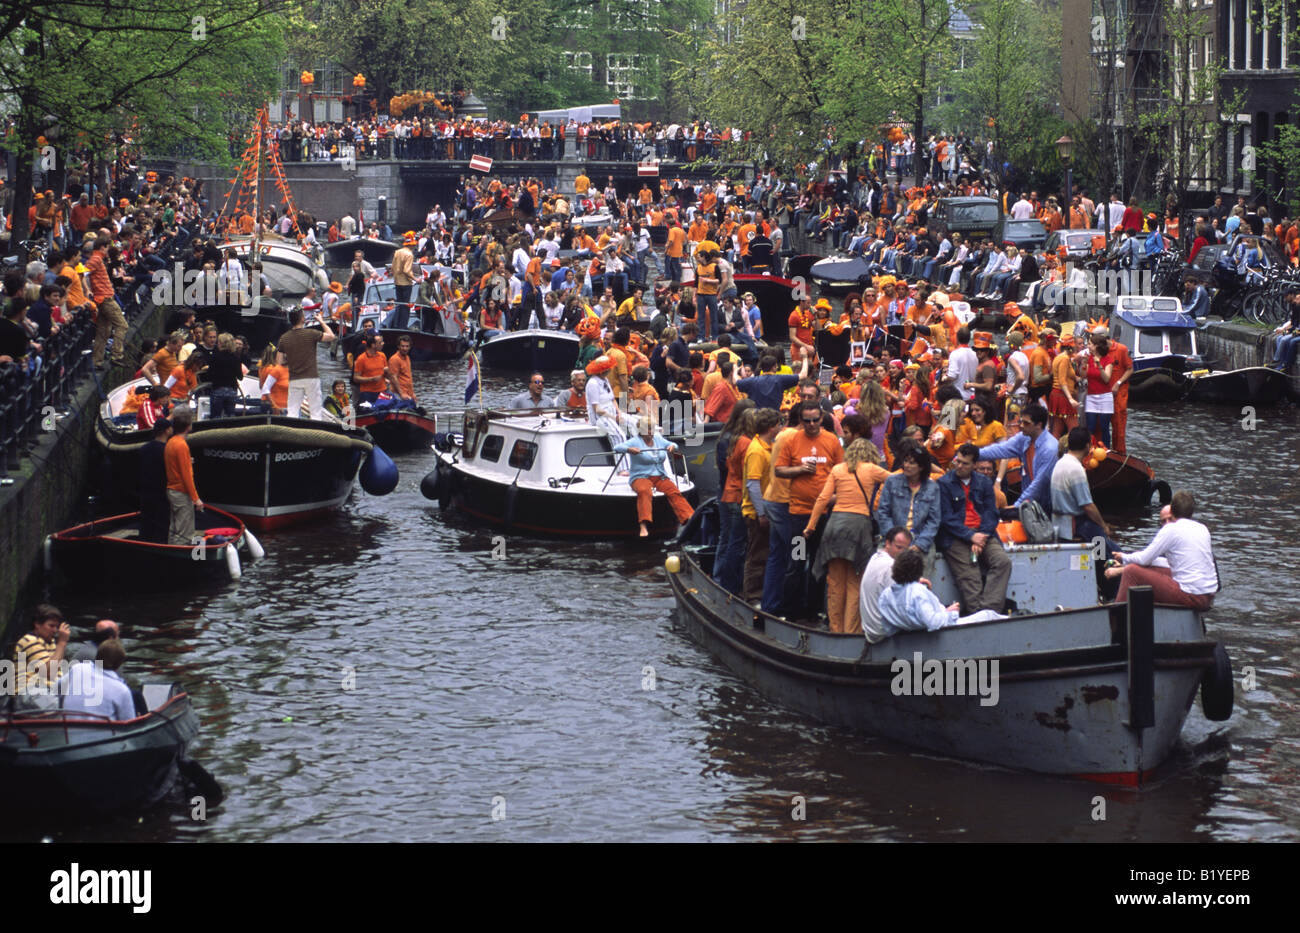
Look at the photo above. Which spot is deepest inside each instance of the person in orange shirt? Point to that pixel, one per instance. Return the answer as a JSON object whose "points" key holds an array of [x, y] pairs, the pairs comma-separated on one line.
{"points": [[644, 398], [370, 370], [801, 333], [1063, 402], [182, 494], [399, 370], [806, 460], [184, 379], [274, 378], [1119, 388]]}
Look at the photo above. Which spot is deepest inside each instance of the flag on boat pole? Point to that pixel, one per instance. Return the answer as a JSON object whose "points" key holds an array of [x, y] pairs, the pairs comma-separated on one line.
{"points": [[472, 386], [480, 163]]}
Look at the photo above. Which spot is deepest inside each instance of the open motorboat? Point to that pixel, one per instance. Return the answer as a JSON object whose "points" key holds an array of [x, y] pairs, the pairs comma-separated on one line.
{"points": [[436, 333], [270, 470], [1250, 385], [339, 255], [548, 472], [396, 425], [112, 549], [94, 766], [533, 350], [839, 275], [1098, 692]]}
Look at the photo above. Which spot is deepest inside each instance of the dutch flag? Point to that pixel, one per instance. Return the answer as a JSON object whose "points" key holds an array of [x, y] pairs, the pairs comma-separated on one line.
{"points": [[471, 379]]}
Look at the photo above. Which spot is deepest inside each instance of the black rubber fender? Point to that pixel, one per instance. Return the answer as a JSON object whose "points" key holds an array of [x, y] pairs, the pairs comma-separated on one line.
{"points": [[446, 482], [1217, 686], [1161, 489], [512, 498], [429, 486]]}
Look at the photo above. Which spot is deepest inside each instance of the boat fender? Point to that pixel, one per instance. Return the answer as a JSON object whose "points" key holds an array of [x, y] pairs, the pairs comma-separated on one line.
{"points": [[429, 486], [1217, 687], [232, 562], [1161, 488], [673, 564], [200, 780], [48, 552], [446, 484], [512, 497], [255, 549], [378, 473]]}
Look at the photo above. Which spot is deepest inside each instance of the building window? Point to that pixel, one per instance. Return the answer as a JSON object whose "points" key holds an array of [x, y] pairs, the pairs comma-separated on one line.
{"points": [[633, 15], [578, 61], [626, 74]]}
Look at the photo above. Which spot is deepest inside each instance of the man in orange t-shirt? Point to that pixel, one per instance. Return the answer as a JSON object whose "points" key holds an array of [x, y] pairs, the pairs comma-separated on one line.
{"points": [[371, 372], [805, 460], [673, 252], [182, 495], [399, 369]]}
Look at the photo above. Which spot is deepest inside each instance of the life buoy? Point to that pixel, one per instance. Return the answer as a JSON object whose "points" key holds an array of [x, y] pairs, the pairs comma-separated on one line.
{"points": [[1217, 687], [1160, 488]]}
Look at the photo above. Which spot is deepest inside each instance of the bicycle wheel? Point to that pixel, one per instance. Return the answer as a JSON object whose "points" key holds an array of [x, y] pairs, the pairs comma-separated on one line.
{"points": [[1252, 306]]}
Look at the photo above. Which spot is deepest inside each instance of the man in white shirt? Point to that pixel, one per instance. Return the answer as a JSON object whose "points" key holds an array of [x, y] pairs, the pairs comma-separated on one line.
{"points": [[876, 579], [963, 364], [1191, 579], [1022, 209], [97, 688], [347, 227]]}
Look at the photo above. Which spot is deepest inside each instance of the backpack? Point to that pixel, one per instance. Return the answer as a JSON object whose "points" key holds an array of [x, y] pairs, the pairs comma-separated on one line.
{"points": [[1155, 243], [1038, 527]]}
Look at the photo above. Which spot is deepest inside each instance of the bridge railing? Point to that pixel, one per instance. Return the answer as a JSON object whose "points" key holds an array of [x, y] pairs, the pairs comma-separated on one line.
{"points": [[502, 148]]}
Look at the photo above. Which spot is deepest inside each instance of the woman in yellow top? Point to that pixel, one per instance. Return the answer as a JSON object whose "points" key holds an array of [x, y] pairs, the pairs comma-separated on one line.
{"points": [[848, 541], [980, 427]]}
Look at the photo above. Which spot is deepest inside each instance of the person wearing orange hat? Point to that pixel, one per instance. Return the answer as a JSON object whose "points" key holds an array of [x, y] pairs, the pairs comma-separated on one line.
{"points": [[602, 404]]}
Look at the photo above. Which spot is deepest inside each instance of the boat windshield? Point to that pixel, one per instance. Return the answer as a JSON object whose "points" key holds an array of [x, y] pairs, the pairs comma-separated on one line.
{"points": [[1182, 343], [1150, 342]]}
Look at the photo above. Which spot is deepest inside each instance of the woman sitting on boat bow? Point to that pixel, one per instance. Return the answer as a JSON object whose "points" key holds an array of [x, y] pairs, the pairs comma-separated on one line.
{"points": [[649, 458]]}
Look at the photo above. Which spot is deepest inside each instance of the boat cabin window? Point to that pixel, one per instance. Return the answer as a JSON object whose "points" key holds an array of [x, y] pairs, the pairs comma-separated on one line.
{"points": [[1180, 342], [575, 449], [492, 446], [1165, 304], [522, 455], [1151, 342]]}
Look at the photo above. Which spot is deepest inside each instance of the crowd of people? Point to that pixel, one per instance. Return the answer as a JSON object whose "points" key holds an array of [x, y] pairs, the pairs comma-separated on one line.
{"points": [[420, 137]]}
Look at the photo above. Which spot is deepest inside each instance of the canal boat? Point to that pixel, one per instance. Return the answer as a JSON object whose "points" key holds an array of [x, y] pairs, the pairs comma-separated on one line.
{"points": [[1250, 385], [546, 472], [111, 549], [397, 429], [1091, 691], [775, 297], [93, 766], [289, 268], [839, 274], [270, 470], [533, 350], [436, 333], [339, 255], [1117, 481]]}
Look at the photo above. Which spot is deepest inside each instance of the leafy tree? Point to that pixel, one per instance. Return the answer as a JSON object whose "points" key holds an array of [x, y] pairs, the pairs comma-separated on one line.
{"points": [[164, 71]]}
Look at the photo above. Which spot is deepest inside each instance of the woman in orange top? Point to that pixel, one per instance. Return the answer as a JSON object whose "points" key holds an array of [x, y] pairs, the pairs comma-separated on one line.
{"points": [[274, 377], [849, 540], [184, 379], [917, 402], [980, 427]]}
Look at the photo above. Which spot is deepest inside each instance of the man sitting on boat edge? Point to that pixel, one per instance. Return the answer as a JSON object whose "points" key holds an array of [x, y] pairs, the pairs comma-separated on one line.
{"points": [[1191, 579]]}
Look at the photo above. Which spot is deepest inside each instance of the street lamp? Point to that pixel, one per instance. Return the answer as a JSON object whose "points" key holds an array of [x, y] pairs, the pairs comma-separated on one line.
{"points": [[1065, 149]]}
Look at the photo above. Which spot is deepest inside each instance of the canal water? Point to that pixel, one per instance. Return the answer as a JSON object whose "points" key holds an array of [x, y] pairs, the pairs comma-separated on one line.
{"points": [[392, 674]]}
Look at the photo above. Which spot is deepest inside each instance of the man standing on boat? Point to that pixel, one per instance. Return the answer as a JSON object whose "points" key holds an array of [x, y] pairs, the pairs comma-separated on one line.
{"points": [[968, 534], [403, 282], [1036, 449], [299, 349], [182, 496]]}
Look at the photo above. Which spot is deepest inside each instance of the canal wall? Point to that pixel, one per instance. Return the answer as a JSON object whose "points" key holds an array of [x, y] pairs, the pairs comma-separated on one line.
{"points": [[1234, 345], [52, 480]]}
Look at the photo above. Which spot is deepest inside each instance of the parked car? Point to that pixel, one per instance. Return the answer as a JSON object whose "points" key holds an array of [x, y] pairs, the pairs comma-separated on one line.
{"points": [[1209, 255], [1024, 234], [1077, 243], [973, 217]]}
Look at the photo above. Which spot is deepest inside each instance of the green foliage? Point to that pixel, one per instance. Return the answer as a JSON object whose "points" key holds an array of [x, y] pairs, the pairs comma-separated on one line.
{"points": [[1282, 155]]}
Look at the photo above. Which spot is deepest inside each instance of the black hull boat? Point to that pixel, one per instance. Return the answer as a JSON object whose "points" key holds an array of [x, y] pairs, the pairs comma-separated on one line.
{"points": [[1088, 693], [1120, 481], [94, 766], [270, 470], [398, 430], [376, 252], [546, 351], [839, 275], [1251, 385], [547, 473], [112, 549], [1157, 384], [260, 323], [425, 347]]}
